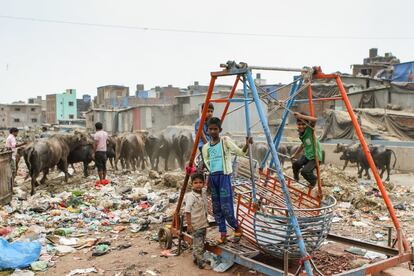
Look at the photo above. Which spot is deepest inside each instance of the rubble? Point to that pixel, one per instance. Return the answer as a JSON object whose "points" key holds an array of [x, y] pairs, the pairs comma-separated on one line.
{"points": [[58, 218]]}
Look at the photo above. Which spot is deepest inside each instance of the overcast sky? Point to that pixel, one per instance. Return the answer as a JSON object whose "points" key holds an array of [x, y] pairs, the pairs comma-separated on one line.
{"points": [[38, 57]]}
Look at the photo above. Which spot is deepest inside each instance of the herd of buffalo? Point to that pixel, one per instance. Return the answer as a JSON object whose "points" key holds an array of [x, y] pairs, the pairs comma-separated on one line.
{"points": [[143, 149]]}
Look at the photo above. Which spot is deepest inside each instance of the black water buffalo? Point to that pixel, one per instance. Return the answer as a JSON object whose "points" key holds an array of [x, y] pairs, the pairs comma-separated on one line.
{"points": [[84, 154], [111, 150], [351, 156], [47, 153], [380, 155]]}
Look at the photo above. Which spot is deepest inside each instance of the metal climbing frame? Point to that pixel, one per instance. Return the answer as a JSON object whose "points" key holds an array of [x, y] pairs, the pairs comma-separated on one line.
{"points": [[290, 219]]}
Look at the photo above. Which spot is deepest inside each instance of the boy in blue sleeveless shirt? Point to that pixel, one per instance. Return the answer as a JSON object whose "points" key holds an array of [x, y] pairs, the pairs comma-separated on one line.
{"points": [[217, 159]]}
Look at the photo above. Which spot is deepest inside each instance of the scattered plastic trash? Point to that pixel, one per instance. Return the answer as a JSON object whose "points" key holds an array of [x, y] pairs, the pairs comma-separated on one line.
{"points": [[18, 254], [400, 206], [100, 249], [359, 224], [336, 219], [62, 250], [68, 241], [374, 255], [356, 251], [81, 271], [19, 272], [345, 205], [39, 266], [5, 231], [63, 231], [151, 272]]}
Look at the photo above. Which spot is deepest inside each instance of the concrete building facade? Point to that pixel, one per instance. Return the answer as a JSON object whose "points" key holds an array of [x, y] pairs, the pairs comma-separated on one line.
{"points": [[20, 115], [112, 96], [66, 105], [61, 106], [154, 117]]}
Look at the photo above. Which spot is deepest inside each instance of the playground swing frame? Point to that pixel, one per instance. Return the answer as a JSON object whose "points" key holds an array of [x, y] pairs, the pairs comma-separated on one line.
{"points": [[243, 73]]}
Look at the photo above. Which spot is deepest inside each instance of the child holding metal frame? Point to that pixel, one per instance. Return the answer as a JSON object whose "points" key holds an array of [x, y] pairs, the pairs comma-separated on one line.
{"points": [[306, 164], [217, 159]]}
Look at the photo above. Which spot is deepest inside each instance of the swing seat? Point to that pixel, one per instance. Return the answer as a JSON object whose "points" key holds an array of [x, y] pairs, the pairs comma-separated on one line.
{"points": [[266, 224]]}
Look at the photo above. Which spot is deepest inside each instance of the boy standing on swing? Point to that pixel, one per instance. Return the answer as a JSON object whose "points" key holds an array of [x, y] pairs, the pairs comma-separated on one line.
{"points": [[217, 159], [306, 162]]}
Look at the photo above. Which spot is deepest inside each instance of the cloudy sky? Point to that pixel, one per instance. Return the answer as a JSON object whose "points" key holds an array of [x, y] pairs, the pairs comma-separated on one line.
{"points": [[47, 46]]}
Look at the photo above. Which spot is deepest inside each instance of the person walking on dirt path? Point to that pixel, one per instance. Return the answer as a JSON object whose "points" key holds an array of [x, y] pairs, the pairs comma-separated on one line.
{"points": [[217, 159], [12, 145], [99, 149], [196, 216], [306, 164], [204, 138]]}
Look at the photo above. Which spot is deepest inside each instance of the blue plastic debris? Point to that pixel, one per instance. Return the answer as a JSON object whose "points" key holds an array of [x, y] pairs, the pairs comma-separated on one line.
{"points": [[18, 254]]}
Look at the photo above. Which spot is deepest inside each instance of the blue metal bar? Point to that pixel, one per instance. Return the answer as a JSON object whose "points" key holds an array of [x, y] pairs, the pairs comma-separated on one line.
{"points": [[249, 134], [250, 263], [279, 132], [236, 100], [292, 217]]}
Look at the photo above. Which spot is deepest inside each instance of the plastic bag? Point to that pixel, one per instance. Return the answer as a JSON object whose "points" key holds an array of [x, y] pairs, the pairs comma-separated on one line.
{"points": [[18, 254]]}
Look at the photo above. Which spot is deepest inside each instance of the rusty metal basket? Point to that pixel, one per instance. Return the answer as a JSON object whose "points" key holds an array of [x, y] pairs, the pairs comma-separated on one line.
{"points": [[266, 224]]}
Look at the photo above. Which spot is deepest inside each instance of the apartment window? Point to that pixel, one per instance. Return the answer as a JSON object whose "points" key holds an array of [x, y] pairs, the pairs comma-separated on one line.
{"points": [[17, 120], [16, 109], [71, 116], [34, 120], [33, 109], [70, 103]]}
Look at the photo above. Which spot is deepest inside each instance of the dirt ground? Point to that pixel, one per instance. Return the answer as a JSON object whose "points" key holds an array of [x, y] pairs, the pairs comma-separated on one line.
{"points": [[142, 257], [138, 254]]}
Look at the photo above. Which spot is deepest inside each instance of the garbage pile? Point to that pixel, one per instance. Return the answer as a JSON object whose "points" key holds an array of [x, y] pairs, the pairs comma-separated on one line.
{"points": [[37, 230], [361, 211]]}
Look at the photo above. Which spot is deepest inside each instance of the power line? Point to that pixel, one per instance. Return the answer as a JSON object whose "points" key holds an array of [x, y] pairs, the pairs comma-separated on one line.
{"points": [[172, 30]]}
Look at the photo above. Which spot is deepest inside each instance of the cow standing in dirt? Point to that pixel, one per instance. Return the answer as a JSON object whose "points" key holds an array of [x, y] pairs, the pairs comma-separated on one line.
{"points": [[111, 151], [132, 151], [45, 154], [84, 154]]}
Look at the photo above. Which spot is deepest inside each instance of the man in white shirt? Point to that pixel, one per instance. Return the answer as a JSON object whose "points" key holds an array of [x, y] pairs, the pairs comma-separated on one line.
{"points": [[12, 145]]}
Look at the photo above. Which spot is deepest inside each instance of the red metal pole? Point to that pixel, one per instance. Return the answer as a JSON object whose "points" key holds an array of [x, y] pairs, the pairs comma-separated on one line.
{"points": [[315, 150], [223, 115], [176, 218], [368, 155]]}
